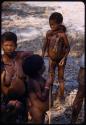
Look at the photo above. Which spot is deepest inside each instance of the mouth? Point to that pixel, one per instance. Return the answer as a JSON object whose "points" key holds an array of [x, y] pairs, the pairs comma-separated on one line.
{"points": [[9, 52]]}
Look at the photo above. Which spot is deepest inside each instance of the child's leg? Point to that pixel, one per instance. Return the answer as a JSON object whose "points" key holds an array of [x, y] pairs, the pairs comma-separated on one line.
{"points": [[52, 66], [61, 80]]}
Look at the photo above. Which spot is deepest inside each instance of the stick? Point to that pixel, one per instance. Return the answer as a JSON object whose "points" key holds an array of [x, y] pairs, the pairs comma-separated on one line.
{"points": [[50, 99]]}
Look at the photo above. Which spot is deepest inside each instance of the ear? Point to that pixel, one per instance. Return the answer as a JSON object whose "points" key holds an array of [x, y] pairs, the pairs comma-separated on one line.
{"points": [[2, 52]]}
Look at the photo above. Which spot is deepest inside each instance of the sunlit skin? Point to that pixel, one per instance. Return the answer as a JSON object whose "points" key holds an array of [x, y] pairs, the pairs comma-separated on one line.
{"points": [[12, 76], [8, 47], [51, 36], [53, 25]]}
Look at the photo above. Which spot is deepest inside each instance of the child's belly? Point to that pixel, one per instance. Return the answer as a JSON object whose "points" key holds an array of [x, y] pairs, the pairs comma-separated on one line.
{"points": [[35, 102]]}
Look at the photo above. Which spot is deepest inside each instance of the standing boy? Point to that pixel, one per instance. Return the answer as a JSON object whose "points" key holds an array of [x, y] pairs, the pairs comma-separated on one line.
{"points": [[57, 46]]}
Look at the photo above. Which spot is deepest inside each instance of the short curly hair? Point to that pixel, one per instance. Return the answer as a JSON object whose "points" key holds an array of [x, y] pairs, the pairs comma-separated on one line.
{"points": [[9, 36], [31, 65], [56, 16]]}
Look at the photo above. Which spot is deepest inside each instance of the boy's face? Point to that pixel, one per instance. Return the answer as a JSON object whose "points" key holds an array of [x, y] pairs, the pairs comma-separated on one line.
{"points": [[8, 47], [53, 25]]}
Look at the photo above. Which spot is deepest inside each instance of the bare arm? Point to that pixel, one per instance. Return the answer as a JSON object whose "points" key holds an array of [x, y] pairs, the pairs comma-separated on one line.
{"points": [[43, 95], [45, 45], [37, 89], [67, 47]]}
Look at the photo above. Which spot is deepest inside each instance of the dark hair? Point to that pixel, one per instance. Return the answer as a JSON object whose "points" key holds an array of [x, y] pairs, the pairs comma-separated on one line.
{"points": [[31, 65], [9, 36], [56, 16]]}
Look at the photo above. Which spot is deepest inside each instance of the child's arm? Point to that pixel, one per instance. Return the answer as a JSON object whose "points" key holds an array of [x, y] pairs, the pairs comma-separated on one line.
{"points": [[67, 47], [45, 45], [48, 84], [37, 89], [43, 95]]}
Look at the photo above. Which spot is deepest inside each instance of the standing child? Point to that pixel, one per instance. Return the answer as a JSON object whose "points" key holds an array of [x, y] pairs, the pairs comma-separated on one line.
{"points": [[13, 86], [57, 46]]}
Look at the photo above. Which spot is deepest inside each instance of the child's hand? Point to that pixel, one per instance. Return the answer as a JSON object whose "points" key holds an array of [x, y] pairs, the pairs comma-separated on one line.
{"points": [[49, 82], [61, 63]]}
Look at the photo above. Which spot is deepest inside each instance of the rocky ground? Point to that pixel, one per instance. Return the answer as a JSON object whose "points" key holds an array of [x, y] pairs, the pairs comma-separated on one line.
{"points": [[29, 20]]}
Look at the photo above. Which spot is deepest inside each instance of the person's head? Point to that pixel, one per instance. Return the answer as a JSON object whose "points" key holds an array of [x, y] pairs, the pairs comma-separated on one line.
{"points": [[9, 42], [55, 20], [33, 66]]}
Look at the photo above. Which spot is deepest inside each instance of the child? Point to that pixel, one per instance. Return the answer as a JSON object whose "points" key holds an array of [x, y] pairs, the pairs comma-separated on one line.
{"points": [[38, 87], [57, 46], [13, 86]]}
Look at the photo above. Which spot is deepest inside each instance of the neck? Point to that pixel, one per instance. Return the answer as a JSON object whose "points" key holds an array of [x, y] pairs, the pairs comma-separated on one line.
{"points": [[10, 55]]}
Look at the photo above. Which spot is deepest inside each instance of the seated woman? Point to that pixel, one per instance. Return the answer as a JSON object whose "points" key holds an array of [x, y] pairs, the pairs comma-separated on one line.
{"points": [[13, 87], [38, 87]]}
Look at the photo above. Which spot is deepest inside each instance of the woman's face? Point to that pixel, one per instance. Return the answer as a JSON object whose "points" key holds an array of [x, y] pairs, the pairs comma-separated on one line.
{"points": [[8, 47], [53, 25]]}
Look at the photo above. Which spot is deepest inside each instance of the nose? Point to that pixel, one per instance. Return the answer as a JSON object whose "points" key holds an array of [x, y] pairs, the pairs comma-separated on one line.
{"points": [[9, 48], [52, 26]]}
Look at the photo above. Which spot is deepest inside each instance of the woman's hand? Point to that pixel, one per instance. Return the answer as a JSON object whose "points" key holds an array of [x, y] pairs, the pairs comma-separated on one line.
{"points": [[15, 103]]}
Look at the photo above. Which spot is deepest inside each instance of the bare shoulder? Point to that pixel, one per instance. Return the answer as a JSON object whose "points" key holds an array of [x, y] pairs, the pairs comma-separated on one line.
{"points": [[62, 34], [49, 32], [24, 53]]}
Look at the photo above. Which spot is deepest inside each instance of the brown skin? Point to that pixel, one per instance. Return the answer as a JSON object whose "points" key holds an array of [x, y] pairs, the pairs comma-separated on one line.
{"points": [[50, 38], [78, 101], [37, 103], [37, 108], [18, 85], [8, 48]]}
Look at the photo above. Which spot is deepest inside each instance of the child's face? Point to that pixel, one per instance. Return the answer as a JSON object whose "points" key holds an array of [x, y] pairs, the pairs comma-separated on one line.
{"points": [[8, 47], [53, 25]]}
